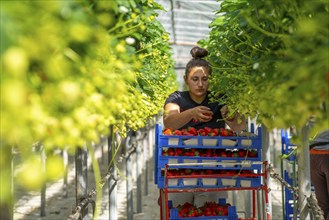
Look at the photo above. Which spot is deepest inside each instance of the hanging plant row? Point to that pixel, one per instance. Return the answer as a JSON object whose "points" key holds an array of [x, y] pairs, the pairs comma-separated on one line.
{"points": [[270, 58], [70, 69]]}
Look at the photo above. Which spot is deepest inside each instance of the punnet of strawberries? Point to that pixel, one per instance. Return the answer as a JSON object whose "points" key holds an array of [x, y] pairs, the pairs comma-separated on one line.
{"points": [[189, 172], [206, 131], [201, 152], [208, 209]]}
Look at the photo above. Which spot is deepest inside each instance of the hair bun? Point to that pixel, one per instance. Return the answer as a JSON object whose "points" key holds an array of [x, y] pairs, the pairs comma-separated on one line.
{"points": [[198, 52]]}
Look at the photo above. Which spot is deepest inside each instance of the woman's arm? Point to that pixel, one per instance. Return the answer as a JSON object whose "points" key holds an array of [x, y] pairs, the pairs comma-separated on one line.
{"points": [[174, 119]]}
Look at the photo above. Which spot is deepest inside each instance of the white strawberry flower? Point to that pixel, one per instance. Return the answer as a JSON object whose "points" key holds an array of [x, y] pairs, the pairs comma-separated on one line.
{"points": [[123, 9], [130, 40], [255, 66]]}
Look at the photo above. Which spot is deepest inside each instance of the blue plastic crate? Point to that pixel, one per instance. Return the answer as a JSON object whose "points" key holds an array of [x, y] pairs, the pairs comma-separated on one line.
{"points": [[236, 142], [164, 142], [253, 142], [286, 146], [289, 199], [207, 162], [209, 182]]}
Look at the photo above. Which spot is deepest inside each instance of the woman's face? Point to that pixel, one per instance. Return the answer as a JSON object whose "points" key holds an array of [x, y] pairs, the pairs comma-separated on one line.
{"points": [[197, 81]]}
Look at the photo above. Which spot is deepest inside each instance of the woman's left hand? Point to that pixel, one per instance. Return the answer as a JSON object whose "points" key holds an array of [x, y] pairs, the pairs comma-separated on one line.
{"points": [[236, 122]]}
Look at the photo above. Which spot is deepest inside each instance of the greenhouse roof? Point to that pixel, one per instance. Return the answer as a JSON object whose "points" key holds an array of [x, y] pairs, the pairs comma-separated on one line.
{"points": [[187, 22]]}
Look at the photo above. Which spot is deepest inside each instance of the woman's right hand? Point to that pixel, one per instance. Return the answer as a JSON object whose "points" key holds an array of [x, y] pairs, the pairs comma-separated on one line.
{"points": [[202, 114]]}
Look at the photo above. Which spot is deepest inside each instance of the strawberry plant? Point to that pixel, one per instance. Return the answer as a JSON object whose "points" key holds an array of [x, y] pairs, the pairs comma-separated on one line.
{"points": [[72, 69], [270, 58]]}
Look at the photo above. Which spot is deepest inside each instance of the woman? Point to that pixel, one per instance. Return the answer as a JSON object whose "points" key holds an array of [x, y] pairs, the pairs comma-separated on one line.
{"points": [[319, 164], [193, 108]]}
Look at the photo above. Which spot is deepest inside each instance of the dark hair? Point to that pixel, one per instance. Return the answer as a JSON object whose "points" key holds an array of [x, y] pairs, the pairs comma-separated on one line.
{"points": [[198, 53]]}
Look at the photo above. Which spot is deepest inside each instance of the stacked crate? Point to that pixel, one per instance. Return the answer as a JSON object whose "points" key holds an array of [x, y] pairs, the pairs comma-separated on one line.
{"points": [[226, 167], [289, 172]]}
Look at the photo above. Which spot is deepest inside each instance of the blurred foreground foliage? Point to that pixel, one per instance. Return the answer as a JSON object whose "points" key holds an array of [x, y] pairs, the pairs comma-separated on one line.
{"points": [[69, 70]]}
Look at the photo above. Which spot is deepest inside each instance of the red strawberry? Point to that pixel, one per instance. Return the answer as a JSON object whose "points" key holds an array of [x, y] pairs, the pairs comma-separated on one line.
{"points": [[208, 130], [212, 134], [216, 131], [242, 153], [170, 152], [179, 151], [186, 133], [177, 132], [192, 130], [188, 171], [191, 213], [252, 153], [209, 171], [224, 132], [219, 210], [223, 154]]}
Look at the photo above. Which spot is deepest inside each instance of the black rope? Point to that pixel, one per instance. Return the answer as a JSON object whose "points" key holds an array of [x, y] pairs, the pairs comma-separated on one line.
{"points": [[311, 201]]}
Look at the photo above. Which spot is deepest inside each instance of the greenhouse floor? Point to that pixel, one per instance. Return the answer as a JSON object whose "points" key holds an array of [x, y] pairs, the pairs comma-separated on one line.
{"points": [[27, 206]]}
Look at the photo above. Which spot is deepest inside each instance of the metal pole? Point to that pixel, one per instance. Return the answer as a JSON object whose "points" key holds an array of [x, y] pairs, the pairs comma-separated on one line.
{"points": [[151, 151], [146, 160], [282, 175], [234, 196], [65, 183], [139, 145], [247, 204], [81, 175], [259, 201], [304, 176], [173, 20], [266, 154], [129, 182], [43, 188], [111, 144], [294, 184], [151, 141], [102, 148], [6, 180]]}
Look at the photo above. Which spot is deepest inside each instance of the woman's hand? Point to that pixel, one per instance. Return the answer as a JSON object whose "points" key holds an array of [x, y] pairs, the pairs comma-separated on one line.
{"points": [[226, 114], [202, 114], [235, 121]]}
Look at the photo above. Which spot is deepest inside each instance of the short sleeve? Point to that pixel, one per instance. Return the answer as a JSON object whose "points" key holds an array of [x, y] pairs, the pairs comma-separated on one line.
{"points": [[174, 97]]}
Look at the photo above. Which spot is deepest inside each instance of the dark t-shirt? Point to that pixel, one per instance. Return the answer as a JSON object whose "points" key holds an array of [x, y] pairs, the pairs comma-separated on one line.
{"points": [[321, 142], [184, 101]]}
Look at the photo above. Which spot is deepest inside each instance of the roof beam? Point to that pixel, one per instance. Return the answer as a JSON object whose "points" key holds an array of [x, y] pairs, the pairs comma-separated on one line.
{"points": [[173, 19], [209, 2], [192, 28], [194, 12]]}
